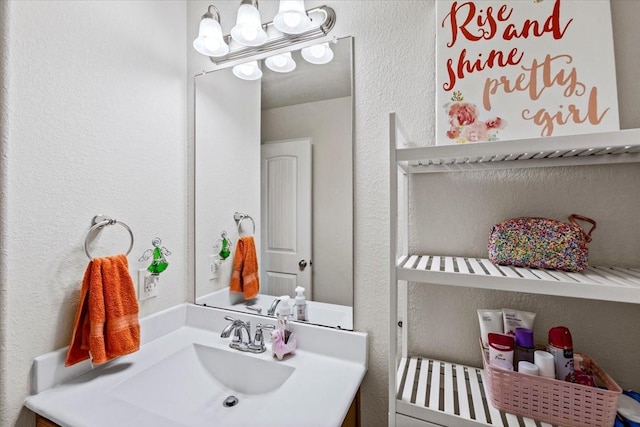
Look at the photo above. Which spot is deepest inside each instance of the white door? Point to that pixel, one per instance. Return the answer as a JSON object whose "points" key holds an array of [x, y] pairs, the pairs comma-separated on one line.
{"points": [[286, 217]]}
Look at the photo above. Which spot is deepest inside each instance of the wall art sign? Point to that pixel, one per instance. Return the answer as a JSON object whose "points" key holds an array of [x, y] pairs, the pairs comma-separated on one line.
{"points": [[515, 69]]}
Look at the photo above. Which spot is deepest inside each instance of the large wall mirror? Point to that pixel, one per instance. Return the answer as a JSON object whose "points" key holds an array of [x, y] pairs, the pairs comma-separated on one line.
{"points": [[274, 159]]}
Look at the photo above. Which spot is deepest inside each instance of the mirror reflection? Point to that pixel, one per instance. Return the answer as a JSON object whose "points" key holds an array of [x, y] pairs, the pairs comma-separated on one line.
{"points": [[273, 161]]}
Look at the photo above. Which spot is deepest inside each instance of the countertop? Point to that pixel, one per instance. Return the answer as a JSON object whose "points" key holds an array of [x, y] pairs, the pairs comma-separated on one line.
{"points": [[329, 367]]}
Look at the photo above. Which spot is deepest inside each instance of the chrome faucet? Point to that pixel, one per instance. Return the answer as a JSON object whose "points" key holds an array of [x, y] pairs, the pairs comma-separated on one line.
{"points": [[272, 308], [238, 342], [237, 326]]}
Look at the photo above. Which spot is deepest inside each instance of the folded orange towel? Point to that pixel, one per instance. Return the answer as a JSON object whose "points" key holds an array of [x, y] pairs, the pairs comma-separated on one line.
{"points": [[106, 323], [244, 277]]}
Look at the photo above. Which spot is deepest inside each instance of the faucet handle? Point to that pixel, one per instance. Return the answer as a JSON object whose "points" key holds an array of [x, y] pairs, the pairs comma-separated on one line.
{"points": [[258, 340], [260, 327]]}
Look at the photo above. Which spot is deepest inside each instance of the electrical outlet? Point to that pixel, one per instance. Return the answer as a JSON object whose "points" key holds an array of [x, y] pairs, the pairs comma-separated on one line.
{"points": [[147, 285], [214, 267]]}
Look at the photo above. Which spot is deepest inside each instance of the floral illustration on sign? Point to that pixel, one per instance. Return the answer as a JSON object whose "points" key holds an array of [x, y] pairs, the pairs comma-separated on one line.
{"points": [[465, 125]]}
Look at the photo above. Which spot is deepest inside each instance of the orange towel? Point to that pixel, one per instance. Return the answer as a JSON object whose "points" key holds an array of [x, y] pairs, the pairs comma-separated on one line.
{"points": [[106, 323], [244, 277]]}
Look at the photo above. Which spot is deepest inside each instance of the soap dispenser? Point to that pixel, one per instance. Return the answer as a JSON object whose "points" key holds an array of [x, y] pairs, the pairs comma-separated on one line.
{"points": [[284, 314], [283, 341], [300, 307]]}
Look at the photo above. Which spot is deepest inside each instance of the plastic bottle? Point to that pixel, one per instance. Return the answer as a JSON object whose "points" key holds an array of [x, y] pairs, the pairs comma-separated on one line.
{"points": [[283, 314], [300, 306], [525, 346], [561, 347], [501, 349]]}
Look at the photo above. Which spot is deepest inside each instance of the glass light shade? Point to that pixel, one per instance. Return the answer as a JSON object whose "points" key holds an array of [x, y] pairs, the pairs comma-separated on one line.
{"points": [[247, 71], [282, 63], [291, 17], [248, 30], [210, 41], [318, 53]]}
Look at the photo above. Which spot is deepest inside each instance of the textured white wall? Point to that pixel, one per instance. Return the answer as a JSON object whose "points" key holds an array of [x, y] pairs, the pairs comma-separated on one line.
{"points": [[329, 124], [94, 122]]}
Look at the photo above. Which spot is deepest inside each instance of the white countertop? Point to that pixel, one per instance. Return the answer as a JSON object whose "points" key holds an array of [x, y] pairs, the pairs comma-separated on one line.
{"points": [[329, 367]]}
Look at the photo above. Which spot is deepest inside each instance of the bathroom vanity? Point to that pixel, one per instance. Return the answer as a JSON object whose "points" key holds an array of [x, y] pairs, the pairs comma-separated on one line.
{"points": [[185, 374], [460, 398]]}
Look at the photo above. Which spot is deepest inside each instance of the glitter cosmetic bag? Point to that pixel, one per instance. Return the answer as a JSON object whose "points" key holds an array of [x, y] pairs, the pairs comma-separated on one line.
{"points": [[541, 243]]}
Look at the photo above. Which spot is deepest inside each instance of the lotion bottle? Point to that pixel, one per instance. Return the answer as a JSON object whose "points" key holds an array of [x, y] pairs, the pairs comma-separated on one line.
{"points": [[300, 307]]}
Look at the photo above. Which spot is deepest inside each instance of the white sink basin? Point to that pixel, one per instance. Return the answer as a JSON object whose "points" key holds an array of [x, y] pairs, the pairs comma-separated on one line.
{"points": [[240, 372], [198, 379]]}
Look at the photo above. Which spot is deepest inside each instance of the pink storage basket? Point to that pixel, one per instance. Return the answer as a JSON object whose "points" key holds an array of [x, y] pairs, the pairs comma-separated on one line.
{"points": [[554, 401]]}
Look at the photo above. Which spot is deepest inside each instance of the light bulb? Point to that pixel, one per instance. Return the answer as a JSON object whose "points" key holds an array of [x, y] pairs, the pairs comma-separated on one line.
{"points": [[291, 19], [246, 70], [248, 30], [279, 61], [318, 54], [317, 50], [249, 33], [210, 41], [282, 63]]}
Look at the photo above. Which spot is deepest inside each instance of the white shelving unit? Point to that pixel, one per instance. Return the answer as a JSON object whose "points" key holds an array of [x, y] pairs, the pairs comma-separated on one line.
{"points": [[425, 392]]}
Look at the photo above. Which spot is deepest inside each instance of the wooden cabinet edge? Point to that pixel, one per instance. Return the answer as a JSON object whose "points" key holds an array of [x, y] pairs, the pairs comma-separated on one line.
{"points": [[43, 422], [352, 419]]}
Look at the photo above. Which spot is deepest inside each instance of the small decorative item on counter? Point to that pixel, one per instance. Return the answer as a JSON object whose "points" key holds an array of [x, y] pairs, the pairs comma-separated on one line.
{"points": [[561, 347], [159, 262], [541, 243], [501, 348], [282, 339], [490, 321], [516, 319]]}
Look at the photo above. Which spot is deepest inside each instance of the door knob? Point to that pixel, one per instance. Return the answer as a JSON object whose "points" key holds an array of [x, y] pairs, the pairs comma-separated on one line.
{"points": [[302, 264]]}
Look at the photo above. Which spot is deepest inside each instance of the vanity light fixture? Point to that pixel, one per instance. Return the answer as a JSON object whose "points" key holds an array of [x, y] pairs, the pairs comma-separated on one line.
{"points": [[320, 21], [248, 71], [282, 63], [292, 17], [210, 41], [318, 53], [248, 30]]}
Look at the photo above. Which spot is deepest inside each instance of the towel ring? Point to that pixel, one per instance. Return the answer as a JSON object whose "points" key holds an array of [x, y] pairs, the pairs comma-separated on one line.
{"points": [[239, 217], [100, 221]]}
